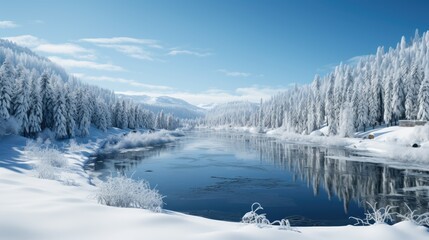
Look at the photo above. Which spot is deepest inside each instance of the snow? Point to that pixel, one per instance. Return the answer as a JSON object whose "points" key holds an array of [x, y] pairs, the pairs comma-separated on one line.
{"points": [[35, 208]]}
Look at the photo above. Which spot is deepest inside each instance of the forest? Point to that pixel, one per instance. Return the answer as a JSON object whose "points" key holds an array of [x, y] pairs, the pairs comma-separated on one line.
{"points": [[378, 89], [36, 95]]}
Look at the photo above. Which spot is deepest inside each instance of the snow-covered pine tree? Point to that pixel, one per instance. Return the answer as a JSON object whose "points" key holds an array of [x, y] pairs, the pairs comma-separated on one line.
{"points": [[71, 111], [131, 117], [35, 114], [388, 87], [60, 122], [124, 115], [375, 99], [7, 77], [117, 121], [363, 108], [22, 100], [398, 98], [329, 105], [413, 86], [318, 102], [100, 113], [83, 117], [423, 99], [47, 95], [346, 128]]}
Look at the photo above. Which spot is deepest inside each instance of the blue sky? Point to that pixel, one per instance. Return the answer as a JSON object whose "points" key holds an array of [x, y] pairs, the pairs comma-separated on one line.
{"points": [[207, 51]]}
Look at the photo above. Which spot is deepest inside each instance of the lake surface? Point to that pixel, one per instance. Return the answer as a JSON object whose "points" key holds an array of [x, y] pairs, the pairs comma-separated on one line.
{"points": [[219, 176]]}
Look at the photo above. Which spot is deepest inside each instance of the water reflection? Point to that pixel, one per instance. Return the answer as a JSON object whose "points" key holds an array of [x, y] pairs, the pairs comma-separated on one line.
{"points": [[326, 171], [330, 170]]}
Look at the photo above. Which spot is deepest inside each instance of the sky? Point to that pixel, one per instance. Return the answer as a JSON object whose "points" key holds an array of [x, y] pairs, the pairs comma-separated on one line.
{"points": [[207, 51]]}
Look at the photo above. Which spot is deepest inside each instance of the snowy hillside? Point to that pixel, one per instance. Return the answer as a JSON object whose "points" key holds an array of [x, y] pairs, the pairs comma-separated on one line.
{"points": [[37, 96], [380, 89], [175, 106]]}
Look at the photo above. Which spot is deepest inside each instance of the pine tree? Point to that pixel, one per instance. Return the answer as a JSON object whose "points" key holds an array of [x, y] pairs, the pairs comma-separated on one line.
{"points": [[398, 98], [101, 115], [47, 95], [35, 112], [346, 121], [6, 80], [388, 87], [83, 118], [22, 100], [329, 107], [413, 86], [363, 108], [60, 122], [423, 99], [124, 115], [71, 111]]}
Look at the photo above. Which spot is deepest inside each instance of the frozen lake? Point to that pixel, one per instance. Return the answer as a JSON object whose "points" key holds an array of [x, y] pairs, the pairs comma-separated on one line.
{"points": [[219, 176]]}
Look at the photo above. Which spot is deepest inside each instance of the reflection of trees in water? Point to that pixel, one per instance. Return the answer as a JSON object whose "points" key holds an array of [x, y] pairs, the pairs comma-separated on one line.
{"points": [[125, 162], [348, 180]]}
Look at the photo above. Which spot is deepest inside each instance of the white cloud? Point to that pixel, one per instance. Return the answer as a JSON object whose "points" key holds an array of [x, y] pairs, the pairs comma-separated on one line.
{"points": [[130, 50], [252, 94], [131, 47], [123, 40], [41, 45], [72, 63], [8, 24], [65, 48], [26, 40], [121, 80], [234, 73], [176, 52]]}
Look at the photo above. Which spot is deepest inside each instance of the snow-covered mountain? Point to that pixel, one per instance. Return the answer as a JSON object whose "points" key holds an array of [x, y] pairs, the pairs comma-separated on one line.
{"points": [[178, 107]]}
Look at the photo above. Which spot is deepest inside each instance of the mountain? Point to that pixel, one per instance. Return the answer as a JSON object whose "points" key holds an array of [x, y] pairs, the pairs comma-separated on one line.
{"points": [[178, 107]]}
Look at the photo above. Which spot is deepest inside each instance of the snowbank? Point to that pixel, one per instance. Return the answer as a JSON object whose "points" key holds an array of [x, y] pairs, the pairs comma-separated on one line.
{"points": [[395, 144], [138, 139], [36, 208]]}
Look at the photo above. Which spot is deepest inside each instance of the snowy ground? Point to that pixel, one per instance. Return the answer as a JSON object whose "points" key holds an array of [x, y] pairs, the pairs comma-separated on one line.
{"points": [[66, 208]]}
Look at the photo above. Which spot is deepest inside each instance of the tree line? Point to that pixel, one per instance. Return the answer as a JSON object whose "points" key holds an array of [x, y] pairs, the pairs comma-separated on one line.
{"points": [[379, 89], [36, 95]]}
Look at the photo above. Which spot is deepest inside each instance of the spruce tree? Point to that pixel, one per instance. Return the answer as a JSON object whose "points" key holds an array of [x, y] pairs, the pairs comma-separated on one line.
{"points": [[6, 80]]}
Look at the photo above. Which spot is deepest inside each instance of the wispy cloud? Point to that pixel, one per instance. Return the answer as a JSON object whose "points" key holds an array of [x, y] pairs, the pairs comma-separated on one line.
{"points": [[234, 73], [123, 40], [121, 80], [72, 63], [8, 24], [175, 52], [26, 40], [41, 45], [64, 48], [131, 47], [130, 50]]}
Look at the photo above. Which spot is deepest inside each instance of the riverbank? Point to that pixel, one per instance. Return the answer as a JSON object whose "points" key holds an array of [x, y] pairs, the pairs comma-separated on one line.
{"points": [[65, 207], [391, 145]]}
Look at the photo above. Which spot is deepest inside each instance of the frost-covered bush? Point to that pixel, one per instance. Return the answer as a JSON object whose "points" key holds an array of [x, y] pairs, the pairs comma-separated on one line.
{"points": [[48, 161], [137, 139], [419, 219], [8, 126], [376, 216], [261, 220], [122, 191]]}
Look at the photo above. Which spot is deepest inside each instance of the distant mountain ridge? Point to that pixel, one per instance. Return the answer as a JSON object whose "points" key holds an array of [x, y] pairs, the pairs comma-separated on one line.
{"points": [[178, 107]]}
